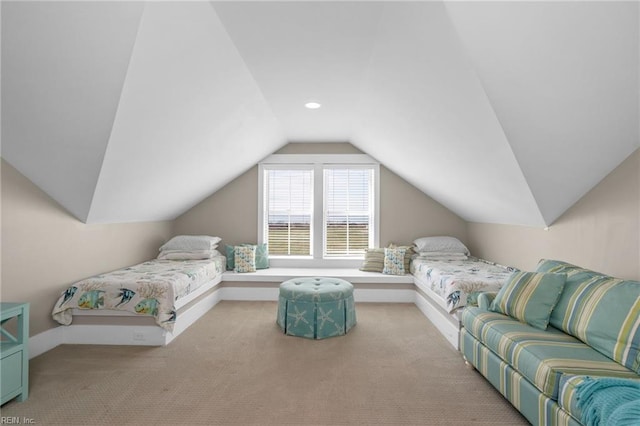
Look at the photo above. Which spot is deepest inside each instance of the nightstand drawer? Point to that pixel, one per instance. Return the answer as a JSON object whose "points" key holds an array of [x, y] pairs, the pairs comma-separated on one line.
{"points": [[14, 351], [11, 373]]}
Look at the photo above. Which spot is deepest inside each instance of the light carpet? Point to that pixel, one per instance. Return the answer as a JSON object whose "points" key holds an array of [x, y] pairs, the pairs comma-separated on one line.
{"points": [[235, 367]]}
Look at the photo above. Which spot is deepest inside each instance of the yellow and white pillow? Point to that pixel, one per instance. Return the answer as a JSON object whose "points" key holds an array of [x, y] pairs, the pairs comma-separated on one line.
{"points": [[245, 258], [394, 261]]}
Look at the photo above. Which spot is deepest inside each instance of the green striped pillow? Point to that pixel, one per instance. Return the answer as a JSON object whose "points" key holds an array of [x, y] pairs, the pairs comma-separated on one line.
{"points": [[373, 260], [529, 297]]}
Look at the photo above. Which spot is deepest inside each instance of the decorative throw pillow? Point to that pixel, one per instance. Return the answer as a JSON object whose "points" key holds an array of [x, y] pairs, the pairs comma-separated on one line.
{"points": [[231, 261], [394, 261], [245, 258], [408, 254], [262, 256], [373, 260], [529, 297]]}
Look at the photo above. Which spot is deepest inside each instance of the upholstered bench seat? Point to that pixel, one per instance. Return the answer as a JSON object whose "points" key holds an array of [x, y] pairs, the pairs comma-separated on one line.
{"points": [[316, 307]]}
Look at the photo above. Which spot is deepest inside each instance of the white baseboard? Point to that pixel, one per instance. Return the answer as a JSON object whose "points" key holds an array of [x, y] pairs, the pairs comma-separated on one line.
{"points": [[443, 322], [383, 295], [45, 341], [193, 314], [146, 335], [359, 295], [250, 294]]}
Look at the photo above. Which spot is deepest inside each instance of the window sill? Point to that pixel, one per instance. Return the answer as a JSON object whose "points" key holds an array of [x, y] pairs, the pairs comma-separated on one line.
{"points": [[352, 275], [315, 263]]}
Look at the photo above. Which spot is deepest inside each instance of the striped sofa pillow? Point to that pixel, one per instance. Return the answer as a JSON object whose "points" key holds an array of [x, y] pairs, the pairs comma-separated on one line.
{"points": [[529, 297], [602, 311]]}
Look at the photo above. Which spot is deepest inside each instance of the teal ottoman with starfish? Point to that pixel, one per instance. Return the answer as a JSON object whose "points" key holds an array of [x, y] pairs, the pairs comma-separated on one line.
{"points": [[316, 307]]}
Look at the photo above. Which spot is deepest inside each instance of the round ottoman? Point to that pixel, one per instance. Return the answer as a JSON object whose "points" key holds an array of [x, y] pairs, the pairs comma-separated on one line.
{"points": [[316, 307]]}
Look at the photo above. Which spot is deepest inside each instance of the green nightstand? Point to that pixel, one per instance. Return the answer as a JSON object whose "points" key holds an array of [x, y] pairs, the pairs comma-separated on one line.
{"points": [[14, 352]]}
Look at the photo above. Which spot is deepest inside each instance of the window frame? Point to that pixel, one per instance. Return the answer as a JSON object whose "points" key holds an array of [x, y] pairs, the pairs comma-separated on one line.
{"points": [[318, 163]]}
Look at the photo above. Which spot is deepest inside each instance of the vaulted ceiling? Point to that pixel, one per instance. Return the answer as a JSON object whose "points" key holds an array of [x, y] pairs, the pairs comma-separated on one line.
{"points": [[504, 112]]}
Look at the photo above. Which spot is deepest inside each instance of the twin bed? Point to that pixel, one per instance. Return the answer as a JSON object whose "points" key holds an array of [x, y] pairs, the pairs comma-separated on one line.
{"points": [[157, 288], [174, 290], [454, 283], [445, 286], [447, 279]]}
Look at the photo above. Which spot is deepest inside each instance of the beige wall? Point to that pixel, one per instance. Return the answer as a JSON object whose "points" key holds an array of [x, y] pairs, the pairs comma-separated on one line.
{"points": [[45, 249], [405, 212], [601, 231]]}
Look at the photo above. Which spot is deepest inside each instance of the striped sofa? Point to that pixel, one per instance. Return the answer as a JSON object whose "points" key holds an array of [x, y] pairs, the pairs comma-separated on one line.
{"points": [[594, 331]]}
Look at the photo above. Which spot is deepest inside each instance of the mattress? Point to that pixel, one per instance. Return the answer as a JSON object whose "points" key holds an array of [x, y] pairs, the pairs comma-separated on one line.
{"points": [[150, 288], [458, 282]]}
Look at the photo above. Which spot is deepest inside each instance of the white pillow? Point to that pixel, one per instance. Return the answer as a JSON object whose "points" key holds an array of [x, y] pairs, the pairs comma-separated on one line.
{"points": [[188, 255], [438, 255], [440, 244], [191, 242]]}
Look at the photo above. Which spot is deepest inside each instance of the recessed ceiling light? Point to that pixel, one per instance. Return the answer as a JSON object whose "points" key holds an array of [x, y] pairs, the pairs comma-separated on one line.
{"points": [[312, 105]]}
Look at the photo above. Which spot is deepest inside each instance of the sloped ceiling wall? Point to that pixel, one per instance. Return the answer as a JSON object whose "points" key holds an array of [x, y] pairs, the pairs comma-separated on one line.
{"points": [[190, 117], [425, 113], [128, 111], [503, 112], [63, 67], [563, 79]]}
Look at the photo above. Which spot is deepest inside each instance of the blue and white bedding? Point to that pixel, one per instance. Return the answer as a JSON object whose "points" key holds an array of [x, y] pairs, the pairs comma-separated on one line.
{"points": [[458, 281], [149, 288]]}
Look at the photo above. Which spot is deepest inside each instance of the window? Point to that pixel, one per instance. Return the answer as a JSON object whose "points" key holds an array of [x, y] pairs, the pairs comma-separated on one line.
{"points": [[347, 215], [288, 208], [318, 210]]}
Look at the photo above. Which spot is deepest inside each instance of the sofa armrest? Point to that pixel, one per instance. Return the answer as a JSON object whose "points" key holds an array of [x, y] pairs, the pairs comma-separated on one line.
{"points": [[485, 299]]}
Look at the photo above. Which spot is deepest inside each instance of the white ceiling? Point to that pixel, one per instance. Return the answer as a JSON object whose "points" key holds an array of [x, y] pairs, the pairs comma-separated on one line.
{"points": [[503, 112]]}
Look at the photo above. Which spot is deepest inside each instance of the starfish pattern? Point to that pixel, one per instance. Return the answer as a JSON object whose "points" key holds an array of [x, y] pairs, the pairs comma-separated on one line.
{"points": [[323, 317], [339, 329], [337, 296], [297, 295], [298, 316]]}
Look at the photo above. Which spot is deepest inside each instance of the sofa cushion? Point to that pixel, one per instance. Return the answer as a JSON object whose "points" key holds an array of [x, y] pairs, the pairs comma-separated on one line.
{"points": [[602, 311], [529, 297], [540, 356], [535, 407], [567, 394]]}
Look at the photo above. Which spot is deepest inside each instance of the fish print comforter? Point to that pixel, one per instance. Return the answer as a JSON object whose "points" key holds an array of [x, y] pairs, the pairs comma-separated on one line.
{"points": [[458, 282], [149, 288]]}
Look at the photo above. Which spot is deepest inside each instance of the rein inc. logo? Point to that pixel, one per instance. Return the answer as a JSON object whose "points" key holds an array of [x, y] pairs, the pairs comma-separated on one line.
{"points": [[16, 420]]}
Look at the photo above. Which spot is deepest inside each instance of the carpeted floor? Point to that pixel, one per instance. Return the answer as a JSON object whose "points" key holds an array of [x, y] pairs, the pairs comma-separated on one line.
{"points": [[234, 367]]}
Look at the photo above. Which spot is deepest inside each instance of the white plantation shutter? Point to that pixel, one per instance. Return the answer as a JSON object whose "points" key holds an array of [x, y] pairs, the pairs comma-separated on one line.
{"points": [[348, 211], [318, 210], [289, 211]]}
